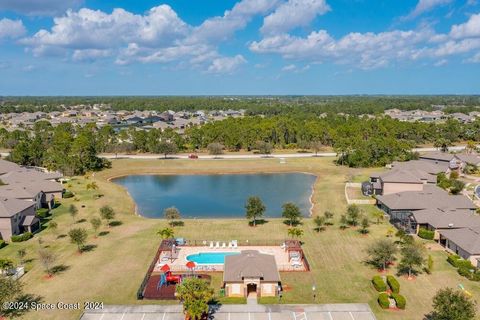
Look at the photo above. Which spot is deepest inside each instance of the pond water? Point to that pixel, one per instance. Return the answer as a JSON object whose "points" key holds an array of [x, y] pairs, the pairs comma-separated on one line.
{"points": [[209, 196]]}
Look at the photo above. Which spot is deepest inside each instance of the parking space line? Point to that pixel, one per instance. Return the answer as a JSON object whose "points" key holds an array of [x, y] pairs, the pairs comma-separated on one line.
{"points": [[269, 316], [143, 316], [164, 314], [102, 316], [330, 315], [123, 316], [351, 316]]}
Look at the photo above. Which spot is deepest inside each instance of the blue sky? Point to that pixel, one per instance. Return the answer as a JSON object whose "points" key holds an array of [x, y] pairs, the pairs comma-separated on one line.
{"points": [[205, 47]]}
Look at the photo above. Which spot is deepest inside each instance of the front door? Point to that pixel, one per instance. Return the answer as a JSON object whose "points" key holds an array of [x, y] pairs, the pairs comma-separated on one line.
{"points": [[251, 289]]}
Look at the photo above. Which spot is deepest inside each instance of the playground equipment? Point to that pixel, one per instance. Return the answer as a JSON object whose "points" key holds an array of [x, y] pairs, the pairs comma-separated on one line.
{"points": [[466, 292], [167, 278]]}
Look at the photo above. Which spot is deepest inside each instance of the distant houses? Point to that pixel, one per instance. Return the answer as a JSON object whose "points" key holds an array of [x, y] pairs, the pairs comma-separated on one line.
{"points": [[23, 191], [102, 115], [430, 116]]}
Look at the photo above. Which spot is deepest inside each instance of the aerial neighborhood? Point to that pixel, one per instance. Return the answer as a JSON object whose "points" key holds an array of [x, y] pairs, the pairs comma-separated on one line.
{"points": [[409, 195]]}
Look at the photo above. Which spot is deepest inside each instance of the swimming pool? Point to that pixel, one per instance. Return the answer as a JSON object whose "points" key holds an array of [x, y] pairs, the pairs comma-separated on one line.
{"points": [[210, 257]]}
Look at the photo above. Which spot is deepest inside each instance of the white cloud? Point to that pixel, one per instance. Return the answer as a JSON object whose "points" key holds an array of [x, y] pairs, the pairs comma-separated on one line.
{"points": [[94, 29], [39, 7], [290, 67], [366, 50], [471, 28], [11, 28], [226, 64], [440, 63], [90, 54], [372, 50], [158, 36], [295, 68], [292, 14], [474, 59], [426, 5], [221, 28]]}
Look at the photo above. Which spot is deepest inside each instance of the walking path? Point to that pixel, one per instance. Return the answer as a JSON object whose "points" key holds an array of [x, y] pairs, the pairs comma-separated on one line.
{"points": [[352, 311]]}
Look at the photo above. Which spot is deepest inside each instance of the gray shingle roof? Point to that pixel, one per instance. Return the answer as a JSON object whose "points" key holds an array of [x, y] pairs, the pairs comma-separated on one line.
{"points": [[431, 197], [7, 166], [427, 166], [447, 218], [23, 175], [439, 156], [467, 238], [10, 207], [250, 264], [30, 189]]}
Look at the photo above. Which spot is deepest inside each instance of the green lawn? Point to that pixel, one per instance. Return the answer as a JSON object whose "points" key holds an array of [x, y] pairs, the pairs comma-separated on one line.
{"points": [[112, 271]]}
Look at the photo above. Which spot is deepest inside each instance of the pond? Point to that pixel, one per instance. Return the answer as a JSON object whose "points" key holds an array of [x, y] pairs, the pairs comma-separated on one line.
{"points": [[217, 195]]}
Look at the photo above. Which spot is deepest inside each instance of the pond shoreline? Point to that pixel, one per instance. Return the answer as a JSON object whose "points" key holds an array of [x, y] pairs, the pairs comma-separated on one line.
{"points": [[309, 209]]}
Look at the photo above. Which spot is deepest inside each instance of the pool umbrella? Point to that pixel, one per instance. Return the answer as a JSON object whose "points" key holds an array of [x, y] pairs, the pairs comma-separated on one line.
{"points": [[191, 265], [165, 268]]}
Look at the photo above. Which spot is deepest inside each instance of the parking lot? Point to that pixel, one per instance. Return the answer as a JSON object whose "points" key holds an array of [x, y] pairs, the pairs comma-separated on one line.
{"points": [[238, 312]]}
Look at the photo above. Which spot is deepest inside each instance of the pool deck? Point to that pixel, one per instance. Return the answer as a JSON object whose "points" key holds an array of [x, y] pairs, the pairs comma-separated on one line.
{"points": [[179, 263]]}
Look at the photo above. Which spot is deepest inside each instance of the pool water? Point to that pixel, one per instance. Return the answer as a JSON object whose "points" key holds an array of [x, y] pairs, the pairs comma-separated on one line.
{"points": [[210, 257], [212, 196]]}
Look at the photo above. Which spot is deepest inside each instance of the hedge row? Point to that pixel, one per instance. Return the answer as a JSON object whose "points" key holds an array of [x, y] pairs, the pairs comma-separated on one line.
{"points": [[42, 213], [426, 234], [2, 244], [383, 300], [379, 284], [68, 194], [393, 284], [464, 267], [400, 300], [22, 237]]}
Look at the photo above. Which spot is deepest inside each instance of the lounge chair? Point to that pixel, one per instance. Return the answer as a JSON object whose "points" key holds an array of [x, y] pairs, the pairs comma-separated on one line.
{"points": [[234, 244], [230, 244], [217, 245], [224, 245], [211, 244]]}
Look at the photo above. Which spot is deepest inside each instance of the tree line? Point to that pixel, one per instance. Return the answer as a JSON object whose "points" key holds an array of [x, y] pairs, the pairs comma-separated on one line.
{"points": [[254, 105], [359, 141]]}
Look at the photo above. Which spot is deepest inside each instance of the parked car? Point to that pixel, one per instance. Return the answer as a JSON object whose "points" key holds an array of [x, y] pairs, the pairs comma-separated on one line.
{"points": [[192, 156]]}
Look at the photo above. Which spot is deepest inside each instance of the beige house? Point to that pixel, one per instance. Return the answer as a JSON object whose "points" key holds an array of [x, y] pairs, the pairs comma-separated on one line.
{"points": [[464, 242], [17, 216], [251, 272], [42, 193]]}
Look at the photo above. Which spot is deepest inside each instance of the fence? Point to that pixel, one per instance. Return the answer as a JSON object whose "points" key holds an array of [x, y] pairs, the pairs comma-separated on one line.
{"points": [[149, 273], [205, 243], [356, 201]]}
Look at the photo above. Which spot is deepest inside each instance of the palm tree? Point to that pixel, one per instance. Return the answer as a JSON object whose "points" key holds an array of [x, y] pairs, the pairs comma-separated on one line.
{"points": [[166, 233], [295, 232]]}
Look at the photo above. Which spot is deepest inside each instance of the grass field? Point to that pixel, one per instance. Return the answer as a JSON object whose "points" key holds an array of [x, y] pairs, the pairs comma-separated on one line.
{"points": [[114, 269]]}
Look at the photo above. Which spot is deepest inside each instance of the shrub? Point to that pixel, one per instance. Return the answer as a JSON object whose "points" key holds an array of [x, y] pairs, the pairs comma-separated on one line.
{"points": [[400, 300], [462, 263], [465, 272], [68, 194], [393, 284], [42, 213], [452, 259], [426, 234], [379, 284], [22, 237], [383, 300], [2, 244]]}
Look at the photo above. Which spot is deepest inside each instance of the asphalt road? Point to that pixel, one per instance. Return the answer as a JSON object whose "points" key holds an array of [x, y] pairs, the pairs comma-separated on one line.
{"points": [[249, 156]]}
